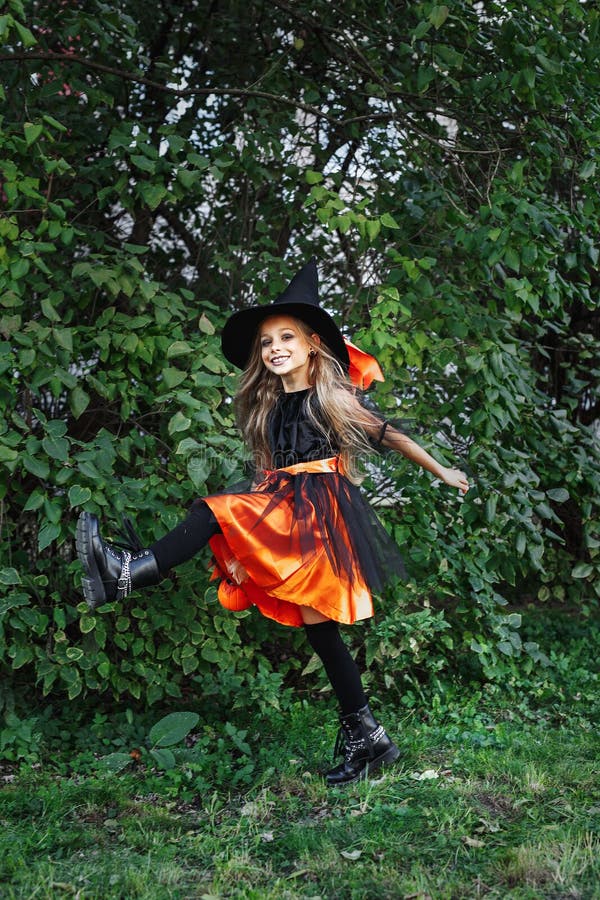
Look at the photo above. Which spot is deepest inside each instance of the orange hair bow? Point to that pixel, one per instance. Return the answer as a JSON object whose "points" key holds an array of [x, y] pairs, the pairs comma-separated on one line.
{"points": [[364, 368]]}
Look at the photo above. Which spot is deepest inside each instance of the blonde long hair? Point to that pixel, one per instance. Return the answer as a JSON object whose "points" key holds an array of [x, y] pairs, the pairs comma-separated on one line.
{"points": [[341, 421]]}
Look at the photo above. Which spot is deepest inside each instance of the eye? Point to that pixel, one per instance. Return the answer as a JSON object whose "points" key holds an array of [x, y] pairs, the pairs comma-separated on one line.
{"points": [[265, 342], [288, 337]]}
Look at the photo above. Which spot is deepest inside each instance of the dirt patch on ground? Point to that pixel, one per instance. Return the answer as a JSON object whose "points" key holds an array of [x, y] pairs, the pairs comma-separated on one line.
{"points": [[496, 804]]}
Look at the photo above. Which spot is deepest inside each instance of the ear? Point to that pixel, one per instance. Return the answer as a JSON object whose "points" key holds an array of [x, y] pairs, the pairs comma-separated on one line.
{"points": [[315, 338]]}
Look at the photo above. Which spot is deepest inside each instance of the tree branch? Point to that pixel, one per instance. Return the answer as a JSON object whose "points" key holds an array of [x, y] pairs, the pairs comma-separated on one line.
{"points": [[316, 111], [138, 78]]}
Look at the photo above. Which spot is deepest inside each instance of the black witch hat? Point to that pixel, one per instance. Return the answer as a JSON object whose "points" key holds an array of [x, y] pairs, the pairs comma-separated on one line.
{"points": [[300, 299]]}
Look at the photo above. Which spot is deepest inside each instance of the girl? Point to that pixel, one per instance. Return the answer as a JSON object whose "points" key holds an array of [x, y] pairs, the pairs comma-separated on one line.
{"points": [[302, 544]]}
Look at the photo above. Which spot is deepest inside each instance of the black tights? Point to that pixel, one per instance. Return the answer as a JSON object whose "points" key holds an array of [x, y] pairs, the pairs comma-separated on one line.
{"points": [[342, 671], [191, 535], [187, 538]]}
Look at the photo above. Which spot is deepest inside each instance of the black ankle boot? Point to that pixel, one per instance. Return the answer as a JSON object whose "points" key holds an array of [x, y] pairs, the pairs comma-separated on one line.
{"points": [[365, 747], [110, 574]]}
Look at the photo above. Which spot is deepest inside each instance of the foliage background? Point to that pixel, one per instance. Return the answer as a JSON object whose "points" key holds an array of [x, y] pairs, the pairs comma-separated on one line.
{"points": [[163, 166]]}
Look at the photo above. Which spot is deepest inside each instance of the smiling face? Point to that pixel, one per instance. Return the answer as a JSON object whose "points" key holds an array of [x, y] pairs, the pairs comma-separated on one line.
{"points": [[286, 351]]}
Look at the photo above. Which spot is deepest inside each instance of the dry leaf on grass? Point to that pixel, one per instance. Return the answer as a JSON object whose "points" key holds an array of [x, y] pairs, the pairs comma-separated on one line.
{"points": [[351, 854], [425, 776], [473, 842]]}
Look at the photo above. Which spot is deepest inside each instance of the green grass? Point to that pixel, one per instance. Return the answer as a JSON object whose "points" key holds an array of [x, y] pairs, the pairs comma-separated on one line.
{"points": [[497, 795], [512, 809]]}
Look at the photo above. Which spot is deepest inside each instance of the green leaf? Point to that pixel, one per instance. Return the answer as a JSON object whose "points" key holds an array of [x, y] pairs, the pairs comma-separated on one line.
{"points": [[198, 469], [78, 495], [9, 576], [490, 507], [582, 570], [178, 348], [57, 448], [373, 228], [23, 656], [438, 16], [79, 401], [25, 34], [48, 533], [389, 221], [344, 223], [143, 163], [186, 445], [560, 495], [163, 758], [173, 728], [205, 325], [552, 66], [178, 422], [172, 377], [543, 511], [153, 194], [32, 132], [588, 169], [63, 338], [512, 259], [49, 311], [313, 177], [115, 762], [20, 268], [87, 624], [37, 467], [56, 428], [529, 77], [212, 363], [188, 178], [74, 689], [50, 120], [7, 454], [421, 30], [189, 664]]}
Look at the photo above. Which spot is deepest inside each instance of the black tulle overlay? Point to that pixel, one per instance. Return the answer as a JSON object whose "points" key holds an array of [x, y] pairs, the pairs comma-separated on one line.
{"points": [[329, 507]]}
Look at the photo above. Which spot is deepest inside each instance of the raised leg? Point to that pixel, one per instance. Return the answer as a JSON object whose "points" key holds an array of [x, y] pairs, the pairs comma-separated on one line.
{"points": [[112, 574]]}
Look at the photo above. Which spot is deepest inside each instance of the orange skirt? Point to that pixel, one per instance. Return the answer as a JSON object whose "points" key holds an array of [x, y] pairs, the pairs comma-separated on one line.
{"points": [[288, 544]]}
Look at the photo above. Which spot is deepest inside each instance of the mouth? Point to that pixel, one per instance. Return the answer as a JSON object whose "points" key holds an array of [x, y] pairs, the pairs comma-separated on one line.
{"points": [[279, 360]]}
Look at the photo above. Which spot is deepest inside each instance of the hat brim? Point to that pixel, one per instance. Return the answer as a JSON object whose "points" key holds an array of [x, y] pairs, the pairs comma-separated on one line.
{"points": [[240, 330]]}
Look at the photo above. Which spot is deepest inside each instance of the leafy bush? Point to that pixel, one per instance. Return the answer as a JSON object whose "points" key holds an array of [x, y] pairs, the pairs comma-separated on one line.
{"points": [[465, 258]]}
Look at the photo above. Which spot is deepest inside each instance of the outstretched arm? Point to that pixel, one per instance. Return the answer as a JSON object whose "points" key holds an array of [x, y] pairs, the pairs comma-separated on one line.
{"points": [[409, 448], [386, 435]]}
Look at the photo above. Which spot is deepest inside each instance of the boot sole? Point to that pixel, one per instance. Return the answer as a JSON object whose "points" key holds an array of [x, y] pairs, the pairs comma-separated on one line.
{"points": [[386, 759], [93, 587]]}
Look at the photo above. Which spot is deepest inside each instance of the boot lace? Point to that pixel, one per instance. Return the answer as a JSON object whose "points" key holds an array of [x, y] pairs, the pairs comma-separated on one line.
{"points": [[345, 745], [129, 539], [340, 744]]}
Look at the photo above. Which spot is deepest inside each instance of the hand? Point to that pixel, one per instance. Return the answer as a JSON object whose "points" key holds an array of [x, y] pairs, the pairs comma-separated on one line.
{"points": [[455, 478]]}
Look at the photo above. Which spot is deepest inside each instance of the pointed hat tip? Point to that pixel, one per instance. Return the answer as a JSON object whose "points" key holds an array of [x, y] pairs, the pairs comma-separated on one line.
{"points": [[304, 286]]}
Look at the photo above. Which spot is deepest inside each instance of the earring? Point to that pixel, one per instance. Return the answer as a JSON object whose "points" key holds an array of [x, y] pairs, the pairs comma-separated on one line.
{"points": [[312, 352]]}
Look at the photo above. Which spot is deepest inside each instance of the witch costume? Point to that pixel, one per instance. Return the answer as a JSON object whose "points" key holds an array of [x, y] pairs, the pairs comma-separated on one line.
{"points": [[303, 536]]}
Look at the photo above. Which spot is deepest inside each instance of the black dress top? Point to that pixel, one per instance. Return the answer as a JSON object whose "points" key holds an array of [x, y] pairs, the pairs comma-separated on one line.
{"points": [[293, 438]]}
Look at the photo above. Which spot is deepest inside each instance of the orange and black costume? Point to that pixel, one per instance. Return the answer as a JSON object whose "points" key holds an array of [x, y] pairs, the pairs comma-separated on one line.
{"points": [[304, 536]]}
